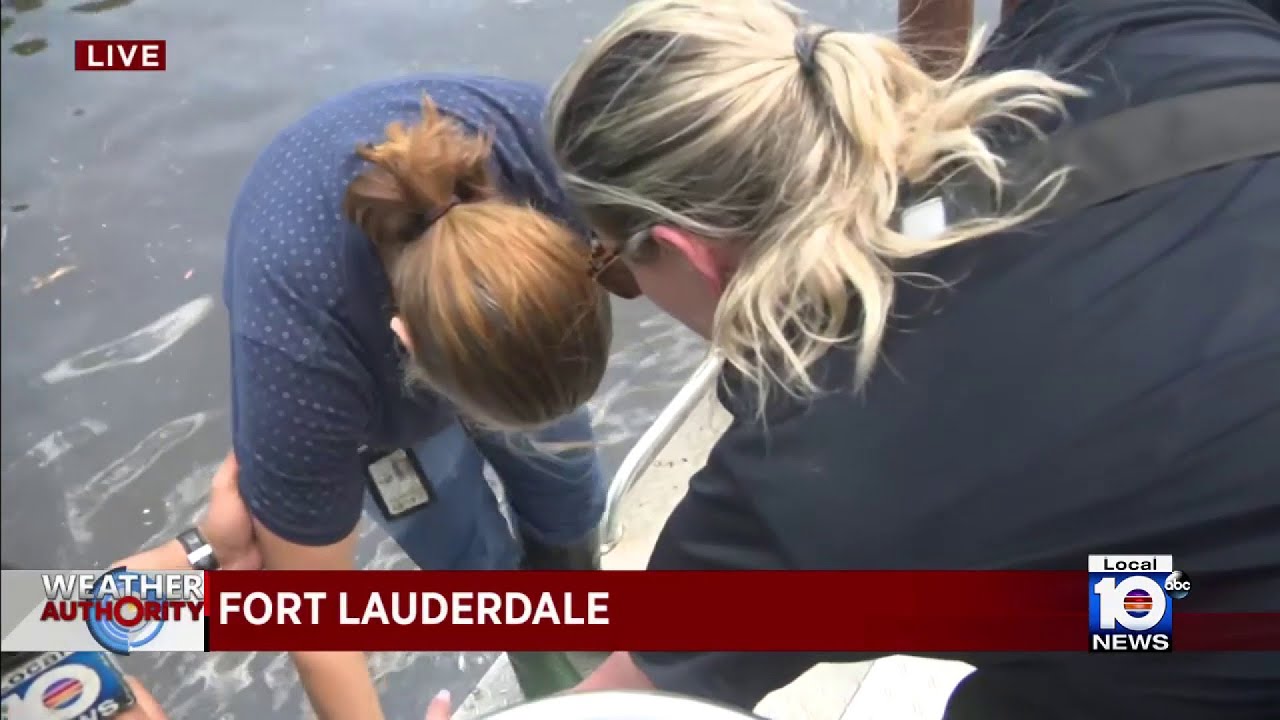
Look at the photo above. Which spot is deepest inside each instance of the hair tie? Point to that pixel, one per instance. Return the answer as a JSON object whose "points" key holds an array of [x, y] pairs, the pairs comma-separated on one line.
{"points": [[434, 217], [806, 47]]}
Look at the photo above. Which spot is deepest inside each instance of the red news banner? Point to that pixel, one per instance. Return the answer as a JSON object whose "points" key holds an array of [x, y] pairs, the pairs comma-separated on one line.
{"points": [[874, 612]]}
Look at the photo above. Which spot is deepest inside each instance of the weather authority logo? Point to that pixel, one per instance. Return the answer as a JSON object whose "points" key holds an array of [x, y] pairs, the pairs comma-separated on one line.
{"points": [[129, 625], [123, 611], [1131, 602]]}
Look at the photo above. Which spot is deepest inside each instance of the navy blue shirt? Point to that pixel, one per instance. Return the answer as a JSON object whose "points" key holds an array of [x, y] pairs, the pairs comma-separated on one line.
{"points": [[315, 370], [1107, 382]]}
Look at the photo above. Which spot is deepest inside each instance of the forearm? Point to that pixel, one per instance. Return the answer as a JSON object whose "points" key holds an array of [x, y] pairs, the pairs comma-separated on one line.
{"points": [[936, 31], [173, 556], [169, 556], [339, 685], [226, 527]]}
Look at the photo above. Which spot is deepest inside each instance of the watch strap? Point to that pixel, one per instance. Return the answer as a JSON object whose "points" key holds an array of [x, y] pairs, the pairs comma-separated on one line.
{"points": [[199, 551]]}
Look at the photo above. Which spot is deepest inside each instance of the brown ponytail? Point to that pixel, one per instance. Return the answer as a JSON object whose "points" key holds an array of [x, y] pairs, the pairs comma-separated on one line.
{"points": [[503, 317]]}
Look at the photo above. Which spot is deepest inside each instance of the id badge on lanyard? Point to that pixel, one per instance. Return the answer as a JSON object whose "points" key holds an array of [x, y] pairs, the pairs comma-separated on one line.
{"points": [[397, 481]]}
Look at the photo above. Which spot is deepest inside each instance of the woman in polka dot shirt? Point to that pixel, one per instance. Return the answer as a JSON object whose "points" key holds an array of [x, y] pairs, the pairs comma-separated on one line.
{"points": [[406, 283]]}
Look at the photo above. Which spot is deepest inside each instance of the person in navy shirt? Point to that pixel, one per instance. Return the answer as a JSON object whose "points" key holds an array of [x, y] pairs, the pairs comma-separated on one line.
{"points": [[410, 298], [1015, 391]]}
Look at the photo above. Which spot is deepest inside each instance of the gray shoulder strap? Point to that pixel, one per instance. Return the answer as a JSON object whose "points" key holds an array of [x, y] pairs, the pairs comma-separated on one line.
{"points": [[1159, 141], [1132, 149]]}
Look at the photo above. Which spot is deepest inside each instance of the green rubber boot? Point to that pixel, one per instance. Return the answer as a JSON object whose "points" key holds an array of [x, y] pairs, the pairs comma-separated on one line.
{"points": [[546, 673], [541, 674]]}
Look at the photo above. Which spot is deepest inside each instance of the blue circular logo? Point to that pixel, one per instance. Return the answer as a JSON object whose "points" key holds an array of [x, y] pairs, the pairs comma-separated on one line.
{"points": [[126, 627]]}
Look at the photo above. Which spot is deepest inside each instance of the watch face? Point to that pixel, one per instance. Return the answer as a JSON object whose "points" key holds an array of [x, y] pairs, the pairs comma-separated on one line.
{"points": [[199, 551]]}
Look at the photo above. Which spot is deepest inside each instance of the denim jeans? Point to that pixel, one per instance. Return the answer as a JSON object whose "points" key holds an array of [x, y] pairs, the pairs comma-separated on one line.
{"points": [[557, 498]]}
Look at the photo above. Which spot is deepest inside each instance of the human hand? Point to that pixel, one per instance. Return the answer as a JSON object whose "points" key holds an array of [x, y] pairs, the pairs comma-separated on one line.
{"points": [[440, 708], [228, 526], [145, 706]]}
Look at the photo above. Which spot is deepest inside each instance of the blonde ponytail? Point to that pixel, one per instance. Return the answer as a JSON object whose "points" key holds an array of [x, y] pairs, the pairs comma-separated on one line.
{"points": [[732, 139]]}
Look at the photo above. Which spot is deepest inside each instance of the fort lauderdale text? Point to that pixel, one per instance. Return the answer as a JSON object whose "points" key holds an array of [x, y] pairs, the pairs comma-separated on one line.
{"points": [[417, 608]]}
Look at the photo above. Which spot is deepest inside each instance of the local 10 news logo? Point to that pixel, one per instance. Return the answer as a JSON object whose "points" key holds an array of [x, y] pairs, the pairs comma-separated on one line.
{"points": [[1131, 602]]}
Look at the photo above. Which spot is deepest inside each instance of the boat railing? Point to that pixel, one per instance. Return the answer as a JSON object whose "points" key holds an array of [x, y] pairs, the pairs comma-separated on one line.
{"points": [[654, 439]]}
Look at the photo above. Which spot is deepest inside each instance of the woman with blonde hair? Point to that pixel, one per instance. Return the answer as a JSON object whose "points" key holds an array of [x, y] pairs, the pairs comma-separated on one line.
{"points": [[410, 298], [934, 361]]}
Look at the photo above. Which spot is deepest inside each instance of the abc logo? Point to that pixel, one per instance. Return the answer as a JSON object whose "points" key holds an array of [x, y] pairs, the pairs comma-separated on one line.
{"points": [[1136, 603], [1178, 584]]}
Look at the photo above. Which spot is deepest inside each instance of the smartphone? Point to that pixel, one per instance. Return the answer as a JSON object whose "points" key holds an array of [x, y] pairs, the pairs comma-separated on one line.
{"points": [[60, 685]]}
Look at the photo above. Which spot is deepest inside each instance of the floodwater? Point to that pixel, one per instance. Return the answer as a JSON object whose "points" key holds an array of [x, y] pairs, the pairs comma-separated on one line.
{"points": [[116, 192]]}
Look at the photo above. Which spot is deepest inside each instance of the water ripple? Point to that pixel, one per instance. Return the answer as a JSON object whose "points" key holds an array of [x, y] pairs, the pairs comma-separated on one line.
{"points": [[137, 347], [646, 370], [184, 503], [57, 443], [84, 501]]}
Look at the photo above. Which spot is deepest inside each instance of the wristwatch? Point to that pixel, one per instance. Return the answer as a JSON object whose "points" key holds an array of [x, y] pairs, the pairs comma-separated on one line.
{"points": [[199, 551]]}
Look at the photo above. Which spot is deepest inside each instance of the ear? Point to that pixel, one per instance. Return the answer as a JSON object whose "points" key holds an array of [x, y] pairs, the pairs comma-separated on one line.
{"points": [[699, 253], [402, 332]]}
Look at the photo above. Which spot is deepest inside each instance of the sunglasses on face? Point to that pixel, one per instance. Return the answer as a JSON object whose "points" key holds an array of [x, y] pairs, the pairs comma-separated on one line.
{"points": [[607, 269]]}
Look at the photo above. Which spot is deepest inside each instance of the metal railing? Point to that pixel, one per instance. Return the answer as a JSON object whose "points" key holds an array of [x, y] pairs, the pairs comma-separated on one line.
{"points": [[654, 439]]}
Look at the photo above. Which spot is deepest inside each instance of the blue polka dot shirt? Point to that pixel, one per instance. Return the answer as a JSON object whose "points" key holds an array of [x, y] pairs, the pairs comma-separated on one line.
{"points": [[315, 370]]}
